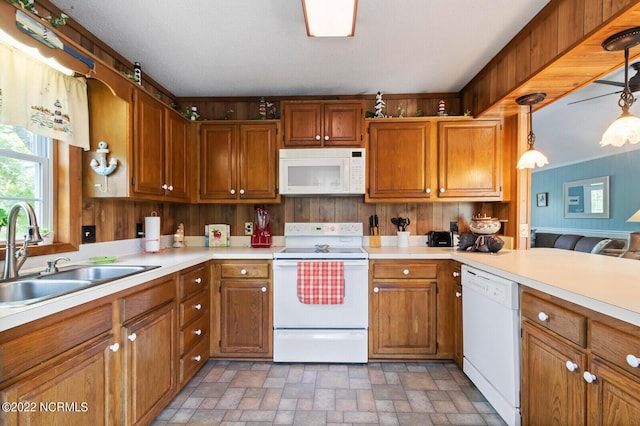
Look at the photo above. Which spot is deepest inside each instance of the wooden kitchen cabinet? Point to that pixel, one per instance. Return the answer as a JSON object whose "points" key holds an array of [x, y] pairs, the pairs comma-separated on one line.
{"points": [[469, 159], [241, 299], [151, 142], [69, 357], [400, 160], [402, 304], [323, 123], [238, 162], [149, 350], [578, 366], [194, 320], [455, 273], [438, 159]]}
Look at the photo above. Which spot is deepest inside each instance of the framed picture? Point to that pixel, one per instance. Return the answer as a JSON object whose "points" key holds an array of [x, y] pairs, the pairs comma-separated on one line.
{"points": [[541, 199]]}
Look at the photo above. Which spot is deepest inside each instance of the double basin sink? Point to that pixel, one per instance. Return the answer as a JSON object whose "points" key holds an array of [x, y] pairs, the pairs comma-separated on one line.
{"points": [[36, 288]]}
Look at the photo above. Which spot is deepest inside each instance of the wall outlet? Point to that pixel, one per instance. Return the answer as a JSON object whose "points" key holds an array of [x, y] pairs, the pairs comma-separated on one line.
{"points": [[524, 230], [248, 228], [139, 230], [88, 234]]}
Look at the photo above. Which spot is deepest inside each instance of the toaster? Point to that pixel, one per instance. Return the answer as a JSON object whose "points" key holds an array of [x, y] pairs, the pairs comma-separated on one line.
{"points": [[440, 239]]}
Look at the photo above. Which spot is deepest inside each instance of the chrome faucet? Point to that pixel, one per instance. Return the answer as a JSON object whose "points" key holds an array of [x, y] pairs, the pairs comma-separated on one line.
{"points": [[15, 259]]}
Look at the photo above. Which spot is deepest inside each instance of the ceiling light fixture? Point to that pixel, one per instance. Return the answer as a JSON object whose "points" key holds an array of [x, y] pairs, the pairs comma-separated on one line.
{"points": [[626, 128], [532, 157], [330, 18]]}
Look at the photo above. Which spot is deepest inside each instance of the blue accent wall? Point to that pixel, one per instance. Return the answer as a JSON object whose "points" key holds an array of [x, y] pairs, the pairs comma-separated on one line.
{"points": [[624, 192]]}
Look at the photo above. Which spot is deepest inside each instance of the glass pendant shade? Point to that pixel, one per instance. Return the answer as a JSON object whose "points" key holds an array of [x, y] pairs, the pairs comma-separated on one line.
{"points": [[531, 159], [626, 129]]}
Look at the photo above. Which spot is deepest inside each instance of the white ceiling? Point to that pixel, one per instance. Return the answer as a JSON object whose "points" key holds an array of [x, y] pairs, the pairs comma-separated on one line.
{"points": [[260, 48]]}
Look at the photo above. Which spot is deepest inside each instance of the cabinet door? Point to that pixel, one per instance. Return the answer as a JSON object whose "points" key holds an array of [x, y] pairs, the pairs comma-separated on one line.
{"points": [[342, 124], [403, 318], [399, 160], [85, 383], [303, 124], [148, 145], [178, 146], [150, 364], [257, 166], [469, 159], [218, 160], [551, 393], [245, 318], [614, 398]]}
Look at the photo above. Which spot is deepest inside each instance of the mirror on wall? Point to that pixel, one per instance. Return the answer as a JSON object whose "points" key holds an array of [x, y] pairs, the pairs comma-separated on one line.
{"points": [[587, 198]]}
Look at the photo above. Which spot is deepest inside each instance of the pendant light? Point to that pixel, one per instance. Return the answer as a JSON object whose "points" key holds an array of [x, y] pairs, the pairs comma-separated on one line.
{"points": [[532, 157], [626, 128]]}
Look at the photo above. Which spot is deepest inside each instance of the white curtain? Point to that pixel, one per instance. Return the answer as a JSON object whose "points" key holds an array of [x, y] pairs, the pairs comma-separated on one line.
{"points": [[41, 99]]}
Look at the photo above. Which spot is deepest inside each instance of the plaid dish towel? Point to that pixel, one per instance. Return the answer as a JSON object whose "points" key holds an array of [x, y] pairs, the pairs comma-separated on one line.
{"points": [[321, 283]]}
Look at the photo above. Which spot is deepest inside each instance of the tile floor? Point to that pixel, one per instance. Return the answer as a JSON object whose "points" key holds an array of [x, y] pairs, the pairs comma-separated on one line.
{"points": [[262, 393]]}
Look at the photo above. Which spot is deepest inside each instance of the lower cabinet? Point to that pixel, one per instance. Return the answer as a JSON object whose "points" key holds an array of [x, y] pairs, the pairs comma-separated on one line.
{"points": [[404, 305], [578, 366], [241, 297]]}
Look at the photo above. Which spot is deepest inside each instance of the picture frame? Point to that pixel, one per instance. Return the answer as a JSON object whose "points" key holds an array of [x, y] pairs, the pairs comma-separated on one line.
{"points": [[587, 198], [542, 199]]}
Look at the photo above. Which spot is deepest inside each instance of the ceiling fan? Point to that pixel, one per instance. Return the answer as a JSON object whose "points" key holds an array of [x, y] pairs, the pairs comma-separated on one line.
{"points": [[634, 84]]}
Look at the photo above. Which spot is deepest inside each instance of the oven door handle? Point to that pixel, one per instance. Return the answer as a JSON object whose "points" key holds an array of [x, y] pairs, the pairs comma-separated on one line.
{"points": [[350, 263]]}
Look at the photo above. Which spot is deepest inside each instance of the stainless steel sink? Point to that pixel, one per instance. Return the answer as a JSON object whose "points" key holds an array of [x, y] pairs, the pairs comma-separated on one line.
{"points": [[36, 288], [32, 290]]}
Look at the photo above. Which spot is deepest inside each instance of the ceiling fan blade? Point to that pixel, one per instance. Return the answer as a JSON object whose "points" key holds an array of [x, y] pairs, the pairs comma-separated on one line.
{"points": [[594, 97], [611, 83]]}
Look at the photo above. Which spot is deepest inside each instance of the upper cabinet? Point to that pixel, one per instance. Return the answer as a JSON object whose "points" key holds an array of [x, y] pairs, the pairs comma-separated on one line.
{"points": [[238, 162], [150, 142], [435, 159], [323, 123]]}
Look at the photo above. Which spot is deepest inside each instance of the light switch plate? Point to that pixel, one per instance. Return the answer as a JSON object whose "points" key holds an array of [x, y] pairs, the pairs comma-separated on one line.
{"points": [[524, 230]]}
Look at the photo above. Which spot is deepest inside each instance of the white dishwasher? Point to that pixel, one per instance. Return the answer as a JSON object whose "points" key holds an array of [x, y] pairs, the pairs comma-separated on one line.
{"points": [[491, 339]]}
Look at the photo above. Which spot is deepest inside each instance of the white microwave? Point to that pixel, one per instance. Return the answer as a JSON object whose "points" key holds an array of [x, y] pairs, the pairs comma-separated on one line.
{"points": [[322, 171]]}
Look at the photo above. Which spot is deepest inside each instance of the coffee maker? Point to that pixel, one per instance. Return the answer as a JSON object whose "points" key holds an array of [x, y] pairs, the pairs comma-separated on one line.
{"points": [[261, 229]]}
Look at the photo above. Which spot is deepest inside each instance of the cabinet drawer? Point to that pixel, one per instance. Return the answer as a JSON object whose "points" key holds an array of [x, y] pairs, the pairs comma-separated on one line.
{"points": [[193, 307], [405, 270], [194, 332], [192, 281], [244, 270], [194, 359], [145, 300], [32, 348], [568, 324], [615, 346]]}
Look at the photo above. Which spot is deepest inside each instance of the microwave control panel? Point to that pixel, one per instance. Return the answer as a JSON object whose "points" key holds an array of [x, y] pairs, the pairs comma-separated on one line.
{"points": [[357, 171]]}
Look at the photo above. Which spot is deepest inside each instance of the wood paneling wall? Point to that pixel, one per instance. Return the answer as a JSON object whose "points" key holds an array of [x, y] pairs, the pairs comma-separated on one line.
{"points": [[116, 219]]}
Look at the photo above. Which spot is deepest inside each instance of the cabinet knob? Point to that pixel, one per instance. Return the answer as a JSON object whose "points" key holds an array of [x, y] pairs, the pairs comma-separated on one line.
{"points": [[428, 190], [406, 272], [588, 377], [198, 280], [571, 366], [164, 186], [197, 358], [241, 191], [170, 187], [542, 316], [243, 272], [326, 138], [318, 137], [458, 294], [441, 189], [633, 361], [197, 332], [197, 307], [115, 347], [232, 192], [132, 337], [376, 289], [263, 289], [456, 274]]}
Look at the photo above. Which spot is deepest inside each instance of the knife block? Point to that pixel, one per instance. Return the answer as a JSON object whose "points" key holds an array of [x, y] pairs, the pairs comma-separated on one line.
{"points": [[374, 241]]}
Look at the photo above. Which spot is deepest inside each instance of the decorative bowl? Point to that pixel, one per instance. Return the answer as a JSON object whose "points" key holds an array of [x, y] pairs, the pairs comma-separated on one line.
{"points": [[484, 225]]}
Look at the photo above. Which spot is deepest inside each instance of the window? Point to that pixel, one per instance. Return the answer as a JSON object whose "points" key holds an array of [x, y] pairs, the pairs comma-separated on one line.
{"points": [[26, 174]]}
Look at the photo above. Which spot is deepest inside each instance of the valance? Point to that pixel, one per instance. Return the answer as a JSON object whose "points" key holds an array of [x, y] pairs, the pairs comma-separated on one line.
{"points": [[41, 99]]}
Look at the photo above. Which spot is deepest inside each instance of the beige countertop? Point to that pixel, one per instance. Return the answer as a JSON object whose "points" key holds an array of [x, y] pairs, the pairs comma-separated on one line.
{"points": [[606, 284]]}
